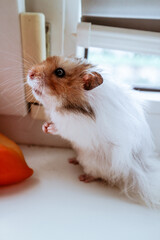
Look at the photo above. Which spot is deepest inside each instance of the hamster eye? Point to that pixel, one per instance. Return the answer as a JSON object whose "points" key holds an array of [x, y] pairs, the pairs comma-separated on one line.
{"points": [[59, 72]]}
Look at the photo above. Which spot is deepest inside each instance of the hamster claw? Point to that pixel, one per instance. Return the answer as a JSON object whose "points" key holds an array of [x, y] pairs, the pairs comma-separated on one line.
{"points": [[86, 178], [73, 161], [49, 127]]}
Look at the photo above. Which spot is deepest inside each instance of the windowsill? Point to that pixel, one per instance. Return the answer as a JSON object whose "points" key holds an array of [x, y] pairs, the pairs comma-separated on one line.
{"points": [[54, 204], [153, 101]]}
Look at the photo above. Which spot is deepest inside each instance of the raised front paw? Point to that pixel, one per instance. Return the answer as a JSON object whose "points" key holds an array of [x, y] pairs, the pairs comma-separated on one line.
{"points": [[49, 127]]}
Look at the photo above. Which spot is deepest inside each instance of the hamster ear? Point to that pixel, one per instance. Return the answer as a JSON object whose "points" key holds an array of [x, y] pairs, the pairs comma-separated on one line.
{"points": [[92, 80]]}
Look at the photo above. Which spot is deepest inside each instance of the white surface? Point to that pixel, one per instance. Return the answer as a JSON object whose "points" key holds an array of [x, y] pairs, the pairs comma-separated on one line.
{"points": [[54, 204], [118, 38], [12, 96], [152, 100]]}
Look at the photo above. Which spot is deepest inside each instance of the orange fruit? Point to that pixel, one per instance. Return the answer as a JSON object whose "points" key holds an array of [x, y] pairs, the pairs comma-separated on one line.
{"points": [[13, 168], [10, 144]]}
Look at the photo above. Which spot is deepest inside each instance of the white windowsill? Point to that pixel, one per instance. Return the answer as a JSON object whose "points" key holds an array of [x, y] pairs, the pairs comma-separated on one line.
{"points": [[54, 204], [153, 101]]}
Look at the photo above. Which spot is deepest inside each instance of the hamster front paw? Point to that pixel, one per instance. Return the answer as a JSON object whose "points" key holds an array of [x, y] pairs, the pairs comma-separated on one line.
{"points": [[49, 127]]}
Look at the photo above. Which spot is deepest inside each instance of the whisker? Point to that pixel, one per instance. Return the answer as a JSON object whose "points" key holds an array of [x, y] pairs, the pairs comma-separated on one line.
{"points": [[3, 84], [9, 104], [31, 124], [29, 58]]}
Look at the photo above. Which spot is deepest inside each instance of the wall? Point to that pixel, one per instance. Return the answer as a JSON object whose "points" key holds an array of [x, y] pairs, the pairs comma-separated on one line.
{"points": [[25, 130]]}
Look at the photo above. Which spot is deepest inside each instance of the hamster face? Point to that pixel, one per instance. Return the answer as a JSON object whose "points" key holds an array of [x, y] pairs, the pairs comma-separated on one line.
{"points": [[66, 79]]}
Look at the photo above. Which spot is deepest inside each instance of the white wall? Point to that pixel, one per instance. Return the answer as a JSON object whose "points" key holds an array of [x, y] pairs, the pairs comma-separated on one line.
{"points": [[28, 131], [12, 97]]}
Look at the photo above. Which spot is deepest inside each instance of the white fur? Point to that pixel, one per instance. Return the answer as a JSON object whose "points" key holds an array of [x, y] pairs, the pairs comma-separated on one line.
{"points": [[115, 146]]}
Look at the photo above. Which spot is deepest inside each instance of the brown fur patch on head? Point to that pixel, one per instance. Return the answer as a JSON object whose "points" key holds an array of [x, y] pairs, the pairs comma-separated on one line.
{"points": [[71, 87]]}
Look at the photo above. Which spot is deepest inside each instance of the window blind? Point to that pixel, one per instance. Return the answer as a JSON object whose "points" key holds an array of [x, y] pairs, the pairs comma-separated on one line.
{"points": [[89, 35], [137, 14], [146, 9]]}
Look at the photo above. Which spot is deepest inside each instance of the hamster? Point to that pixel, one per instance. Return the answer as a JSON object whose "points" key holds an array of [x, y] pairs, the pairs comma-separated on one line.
{"points": [[104, 122]]}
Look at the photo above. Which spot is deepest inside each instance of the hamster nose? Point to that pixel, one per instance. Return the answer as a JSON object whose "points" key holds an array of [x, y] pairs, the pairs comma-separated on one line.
{"points": [[31, 74]]}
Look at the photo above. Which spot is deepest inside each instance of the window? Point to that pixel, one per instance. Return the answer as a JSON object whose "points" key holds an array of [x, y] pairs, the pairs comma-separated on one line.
{"points": [[119, 35], [141, 71], [131, 56]]}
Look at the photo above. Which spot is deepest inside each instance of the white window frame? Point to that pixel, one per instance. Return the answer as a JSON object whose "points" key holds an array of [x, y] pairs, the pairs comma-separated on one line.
{"points": [[63, 15]]}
